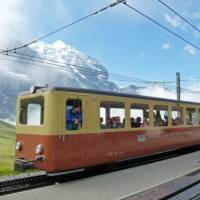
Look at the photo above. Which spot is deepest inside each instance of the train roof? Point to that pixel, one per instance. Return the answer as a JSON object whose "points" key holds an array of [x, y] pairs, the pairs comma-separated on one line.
{"points": [[118, 94], [108, 93]]}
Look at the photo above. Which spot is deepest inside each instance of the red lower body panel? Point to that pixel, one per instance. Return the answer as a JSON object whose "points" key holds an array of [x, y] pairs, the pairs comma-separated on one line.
{"points": [[83, 150]]}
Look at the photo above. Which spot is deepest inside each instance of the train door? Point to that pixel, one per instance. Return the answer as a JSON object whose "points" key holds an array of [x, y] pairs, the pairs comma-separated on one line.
{"points": [[73, 126]]}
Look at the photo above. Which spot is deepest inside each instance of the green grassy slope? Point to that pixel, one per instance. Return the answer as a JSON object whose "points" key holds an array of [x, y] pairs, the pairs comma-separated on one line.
{"points": [[7, 148]]}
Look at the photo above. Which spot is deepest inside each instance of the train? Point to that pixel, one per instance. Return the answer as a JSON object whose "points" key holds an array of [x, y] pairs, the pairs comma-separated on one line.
{"points": [[63, 129]]}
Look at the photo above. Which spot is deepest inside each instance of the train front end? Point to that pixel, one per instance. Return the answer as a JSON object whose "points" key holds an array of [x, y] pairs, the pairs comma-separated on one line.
{"points": [[35, 125]]}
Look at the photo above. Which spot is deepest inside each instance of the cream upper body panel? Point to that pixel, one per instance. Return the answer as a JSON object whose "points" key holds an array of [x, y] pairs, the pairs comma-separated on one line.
{"points": [[55, 112]]}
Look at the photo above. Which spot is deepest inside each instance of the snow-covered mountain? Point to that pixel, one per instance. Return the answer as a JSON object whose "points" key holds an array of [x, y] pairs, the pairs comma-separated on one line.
{"points": [[81, 71]]}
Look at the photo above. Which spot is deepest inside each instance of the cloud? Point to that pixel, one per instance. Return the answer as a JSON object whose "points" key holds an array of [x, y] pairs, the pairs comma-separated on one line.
{"points": [[162, 92], [166, 46], [175, 21], [13, 23], [189, 49], [157, 91]]}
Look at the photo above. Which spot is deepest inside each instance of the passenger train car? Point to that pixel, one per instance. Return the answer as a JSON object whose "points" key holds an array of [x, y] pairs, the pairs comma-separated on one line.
{"points": [[61, 129]]}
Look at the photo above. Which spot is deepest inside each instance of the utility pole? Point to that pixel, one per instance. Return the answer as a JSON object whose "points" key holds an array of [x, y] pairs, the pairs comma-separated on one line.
{"points": [[178, 86]]}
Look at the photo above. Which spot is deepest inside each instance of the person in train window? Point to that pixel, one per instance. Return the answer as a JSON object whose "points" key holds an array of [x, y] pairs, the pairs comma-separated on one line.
{"points": [[166, 119], [145, 123], [178, 121], [74, 118], [101, 123], [118, 123], [138, 122], [114, 122]]}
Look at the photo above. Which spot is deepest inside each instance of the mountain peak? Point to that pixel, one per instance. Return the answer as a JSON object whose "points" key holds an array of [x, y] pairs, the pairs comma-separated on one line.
{"points": [[69, 68], [59, 44]]}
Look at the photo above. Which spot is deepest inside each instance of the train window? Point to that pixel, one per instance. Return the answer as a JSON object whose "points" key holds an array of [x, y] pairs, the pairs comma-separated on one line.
{"points": [[190, 116], [160, 115], [32, 111], [139, 114], [177, 116], [74, 114], [102, 117], [112, 115]]}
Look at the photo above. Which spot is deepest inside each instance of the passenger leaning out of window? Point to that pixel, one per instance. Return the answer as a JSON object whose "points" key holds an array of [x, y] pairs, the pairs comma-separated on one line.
{"points": [[74, 118]]}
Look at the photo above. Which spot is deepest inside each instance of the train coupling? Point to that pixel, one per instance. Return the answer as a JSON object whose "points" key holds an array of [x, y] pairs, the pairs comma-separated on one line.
{"points": [[21, 164]]}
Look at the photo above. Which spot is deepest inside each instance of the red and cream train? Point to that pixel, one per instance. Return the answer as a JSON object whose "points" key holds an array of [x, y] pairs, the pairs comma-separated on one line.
{"points": [[147, 126]]}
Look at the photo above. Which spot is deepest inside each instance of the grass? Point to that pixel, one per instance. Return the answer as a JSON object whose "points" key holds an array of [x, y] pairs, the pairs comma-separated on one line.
{"points": [[7, 148]]}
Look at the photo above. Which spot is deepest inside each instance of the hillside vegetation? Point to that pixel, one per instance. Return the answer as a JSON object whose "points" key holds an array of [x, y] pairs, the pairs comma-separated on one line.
{"points": [[7, 148]]}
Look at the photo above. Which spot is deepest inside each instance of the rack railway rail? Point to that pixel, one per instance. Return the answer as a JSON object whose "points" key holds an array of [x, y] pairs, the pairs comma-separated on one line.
{"points": [[42, 179]]}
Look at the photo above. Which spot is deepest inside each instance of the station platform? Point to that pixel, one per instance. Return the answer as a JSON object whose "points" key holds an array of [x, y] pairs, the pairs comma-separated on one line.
{"points": [[116, 185]]}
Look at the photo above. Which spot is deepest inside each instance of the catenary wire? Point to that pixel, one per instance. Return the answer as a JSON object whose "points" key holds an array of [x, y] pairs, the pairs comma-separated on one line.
{"points": [[162, 26], [66, 26], [62, 64], [179, 15], [167, 86], [61, 67]]}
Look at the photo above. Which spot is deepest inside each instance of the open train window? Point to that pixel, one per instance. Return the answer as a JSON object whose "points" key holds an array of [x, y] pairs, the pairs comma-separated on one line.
{"points": [[32, 111], [177, 116], [160, 115], [139, 114], [112, 115], [190, 116], [74, 117]]}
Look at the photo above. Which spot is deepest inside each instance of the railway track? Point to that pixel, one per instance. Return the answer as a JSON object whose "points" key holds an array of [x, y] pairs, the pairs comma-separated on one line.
{"points": [[41, 179], [24, 182], [186, 187]]}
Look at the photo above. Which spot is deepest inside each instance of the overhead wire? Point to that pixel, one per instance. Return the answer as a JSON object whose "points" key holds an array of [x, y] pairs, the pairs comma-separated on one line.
{"points": [[65, 27], [112, 76], [79, 67], [162, 26], [44, 65], [179, 15], [64, 64], [60, 65]]}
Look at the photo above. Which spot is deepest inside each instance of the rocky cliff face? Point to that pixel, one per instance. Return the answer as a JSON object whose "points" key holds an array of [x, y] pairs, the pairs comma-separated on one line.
{"points": [[81, 71]]}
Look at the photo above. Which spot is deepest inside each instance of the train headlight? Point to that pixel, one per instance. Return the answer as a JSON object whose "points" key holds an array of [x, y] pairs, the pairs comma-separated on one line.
{"points": [[39, 149], [18, 146]]}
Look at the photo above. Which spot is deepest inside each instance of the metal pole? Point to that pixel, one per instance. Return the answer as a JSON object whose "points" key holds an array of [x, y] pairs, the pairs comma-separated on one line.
{"points": [[178, 86]]}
